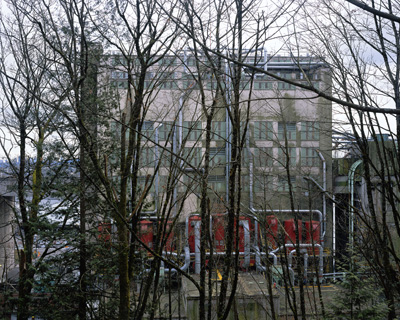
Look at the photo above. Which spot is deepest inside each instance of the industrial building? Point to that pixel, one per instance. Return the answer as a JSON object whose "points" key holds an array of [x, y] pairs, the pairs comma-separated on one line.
{"points": [[288, 138]]}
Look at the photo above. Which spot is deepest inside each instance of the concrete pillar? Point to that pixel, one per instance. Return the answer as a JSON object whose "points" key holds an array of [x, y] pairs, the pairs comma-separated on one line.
{"points": [[7, 258]]}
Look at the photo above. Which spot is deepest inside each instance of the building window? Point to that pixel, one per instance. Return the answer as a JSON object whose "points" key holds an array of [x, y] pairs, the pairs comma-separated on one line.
{"points": [[217, 157], [245, 157], [192, 182], [165, 131], [263, 130], [142, 182], [192, 156], [288, 128], [218, 130], [147, 128], [147, 157], [165, 157], [310, 131], [283, 184], [309, 157], [245, 183], [168, 61], [263, 157], [163, 184], [286, 86], [282, 156], [217, 183], [191, 130], [262, 183]]}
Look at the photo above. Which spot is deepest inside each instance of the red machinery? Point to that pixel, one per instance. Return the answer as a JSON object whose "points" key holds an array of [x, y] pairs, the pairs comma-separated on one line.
{"points": [[169, 232], [146, 233], [191, 231], [272, 232], [218, 230], [313, 232], [290, 231], [104, 229]]}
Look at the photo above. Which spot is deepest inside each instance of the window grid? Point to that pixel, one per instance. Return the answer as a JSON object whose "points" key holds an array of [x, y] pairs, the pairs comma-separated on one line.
{"points": [[218, 130], [310, 131], [192, 130], [289, 128], [142, 181], [165, 130], [283, 184], [217, 183], [282, 156], [261, 183], [309, 157], [263, 130], [217, 156], [147, 157], [263, 157], [192, 156]]}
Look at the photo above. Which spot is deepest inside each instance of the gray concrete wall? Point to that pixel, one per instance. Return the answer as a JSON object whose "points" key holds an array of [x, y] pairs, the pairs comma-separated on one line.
{"points": [[7, 258]]}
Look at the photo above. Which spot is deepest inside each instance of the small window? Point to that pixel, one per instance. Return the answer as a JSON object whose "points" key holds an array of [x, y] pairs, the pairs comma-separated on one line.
{"points": [[263, 130], [218, 130], [192, 130], [309, 157], [142, 183], [165, 157], [217, 183], [147, 157], [282, 157], [310, 131], [192, 156], [288, 129], [165, 131], [217, 157], [147, 128], [283, 184], [263, 157], [262, 183]]}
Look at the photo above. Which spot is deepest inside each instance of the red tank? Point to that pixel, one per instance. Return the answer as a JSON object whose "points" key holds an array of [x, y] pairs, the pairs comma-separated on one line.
{"points": [[169, 244], [313, 232], [242, 232], [271, 232], [218, 229], [192, 219], [104, 229], [146, 233], [290, 231]]}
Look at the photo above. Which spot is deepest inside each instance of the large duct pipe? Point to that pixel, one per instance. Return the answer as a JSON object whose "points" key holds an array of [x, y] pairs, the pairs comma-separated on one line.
{"points": [[352, 173], [246, 229], [197, 260], [323, 227], [187, 259], [305, 265]]}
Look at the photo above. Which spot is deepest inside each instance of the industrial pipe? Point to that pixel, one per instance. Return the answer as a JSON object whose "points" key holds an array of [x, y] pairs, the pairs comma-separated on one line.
{"points": [[305, 245], [352, 172], [197, 260], [246, 229]]}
